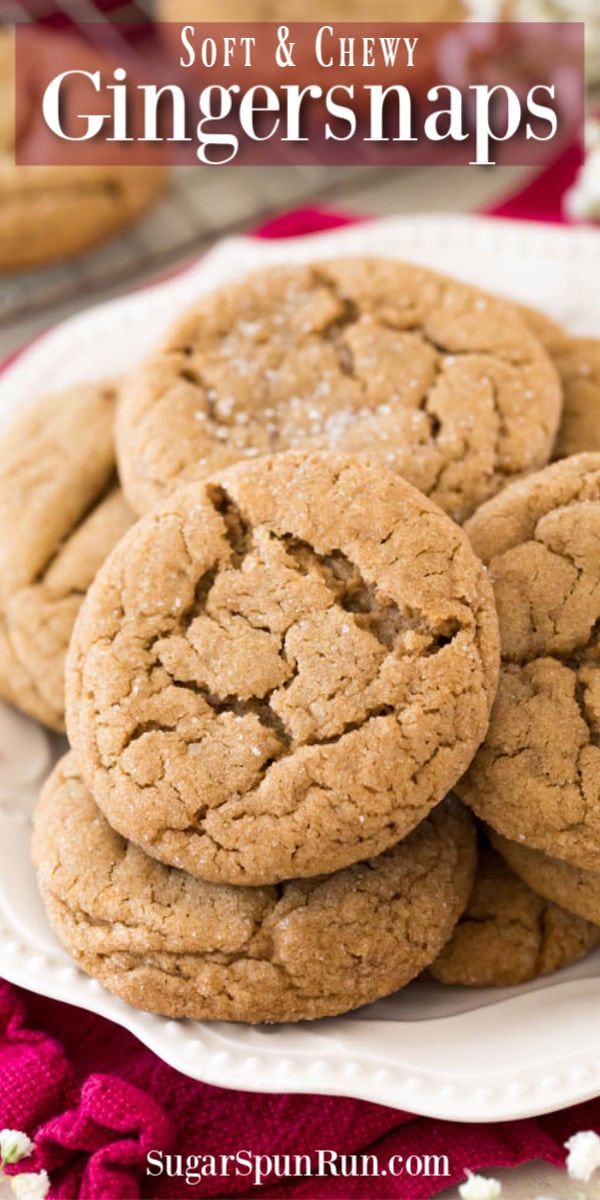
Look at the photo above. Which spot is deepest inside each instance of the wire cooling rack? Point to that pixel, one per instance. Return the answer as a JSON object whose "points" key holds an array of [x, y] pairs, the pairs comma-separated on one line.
{"points": [[201, 204]]}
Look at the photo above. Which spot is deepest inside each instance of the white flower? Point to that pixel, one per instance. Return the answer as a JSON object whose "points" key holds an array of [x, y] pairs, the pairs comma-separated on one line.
{"points": [[584, 1155], [477, 1187], [485, 10], [548, 10], [14, 1146], [33, 1186], [583, 199]]}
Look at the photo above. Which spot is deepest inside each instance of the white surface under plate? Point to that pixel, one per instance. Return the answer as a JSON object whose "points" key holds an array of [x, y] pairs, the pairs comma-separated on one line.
{"points": [[449, 1053]]}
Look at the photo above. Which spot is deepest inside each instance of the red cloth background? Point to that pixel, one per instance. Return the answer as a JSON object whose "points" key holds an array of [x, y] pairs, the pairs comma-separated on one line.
{"points": [[98, 1101]]}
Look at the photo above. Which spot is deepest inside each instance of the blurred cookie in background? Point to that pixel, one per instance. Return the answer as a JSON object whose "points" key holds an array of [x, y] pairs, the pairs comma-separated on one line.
{"points": [[300, 10], [61, 511], [577, 360], [51, 213]]}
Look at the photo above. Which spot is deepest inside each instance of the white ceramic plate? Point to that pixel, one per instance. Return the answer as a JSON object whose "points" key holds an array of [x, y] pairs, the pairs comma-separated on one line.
{"points": [[449, 1053]]}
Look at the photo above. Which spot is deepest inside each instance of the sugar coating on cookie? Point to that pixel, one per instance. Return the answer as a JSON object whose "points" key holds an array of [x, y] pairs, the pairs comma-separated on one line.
{"points": [[61, 512], [281, 671], [437, 380], [576, 890], [536, 778], [507, 934], [170, 943]]}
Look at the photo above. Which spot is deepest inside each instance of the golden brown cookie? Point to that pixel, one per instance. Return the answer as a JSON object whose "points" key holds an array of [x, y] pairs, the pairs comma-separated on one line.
{"points": [[61, 512], [172, 944], [572, 887], [578, 365], [279, 672], [509, 935], [433, 378], [49, 213], [552, 335], [536, 778], [300, 10], [577, 360]]}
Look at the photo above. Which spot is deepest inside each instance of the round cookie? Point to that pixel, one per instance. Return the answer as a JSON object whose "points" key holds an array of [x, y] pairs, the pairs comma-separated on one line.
{"points": [[433, 378], [536, 778], [577, 360], [300, 10], [169, 943], [279, 672], [60, 514], [576, 890], [509, 935], [578, 366], [50, 213], [552, 335]]}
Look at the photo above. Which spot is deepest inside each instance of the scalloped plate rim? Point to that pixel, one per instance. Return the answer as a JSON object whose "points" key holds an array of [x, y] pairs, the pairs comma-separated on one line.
{"points": [[566, 256]]}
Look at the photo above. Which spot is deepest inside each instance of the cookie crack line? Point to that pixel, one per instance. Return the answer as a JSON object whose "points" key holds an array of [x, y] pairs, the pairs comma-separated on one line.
{"points": [[535, 778], [184, 721], [344, 354], [334, 329], [381, 618]]}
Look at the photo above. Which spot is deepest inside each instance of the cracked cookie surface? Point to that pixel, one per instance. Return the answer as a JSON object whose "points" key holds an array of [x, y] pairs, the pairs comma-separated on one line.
{"points": [[172, 944], [536, 778], [572, 887], [49, 213], [436, 380], [507, 934], [280, 671], [61, 512]]}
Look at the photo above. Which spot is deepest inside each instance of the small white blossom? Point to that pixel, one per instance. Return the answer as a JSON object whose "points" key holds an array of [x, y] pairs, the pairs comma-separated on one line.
{"points": [[477, 1187], [485, 10], [31, 1186], [549, 10], [582, 201], [584, 1155], [14, 1145]]}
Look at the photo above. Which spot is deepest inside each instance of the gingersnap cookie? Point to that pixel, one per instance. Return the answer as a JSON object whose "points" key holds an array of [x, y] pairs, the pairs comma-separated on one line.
{"points": [[50, 213], [536, 778], [300, 10], [61, 512], [509, 935], [172, 944], [280, 671], [431, 377], [577, 360], [578, 365], [575, 889]]}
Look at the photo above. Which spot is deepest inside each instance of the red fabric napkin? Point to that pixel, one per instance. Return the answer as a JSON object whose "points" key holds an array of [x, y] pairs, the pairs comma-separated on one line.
{"points": [[97, 1101]]}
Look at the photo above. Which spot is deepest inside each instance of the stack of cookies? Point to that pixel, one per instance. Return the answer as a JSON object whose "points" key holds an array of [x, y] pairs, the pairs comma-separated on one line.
{"points": [[340, 583]]}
